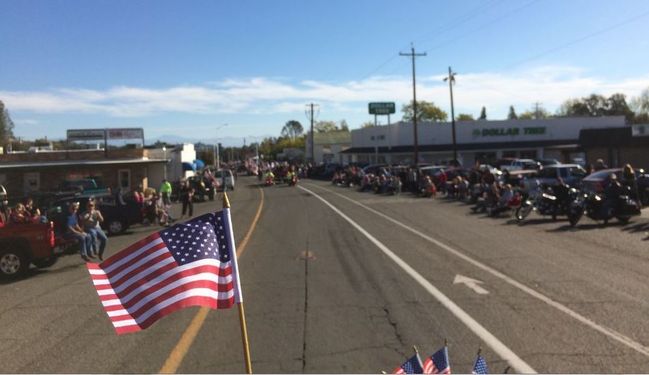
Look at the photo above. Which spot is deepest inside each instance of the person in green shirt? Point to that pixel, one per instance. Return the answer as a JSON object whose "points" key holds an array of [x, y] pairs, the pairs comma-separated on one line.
{"points": [[165, 190]]}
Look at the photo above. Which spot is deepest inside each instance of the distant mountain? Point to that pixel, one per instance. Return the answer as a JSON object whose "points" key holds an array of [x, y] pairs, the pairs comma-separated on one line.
{"points": [[225, 141]]}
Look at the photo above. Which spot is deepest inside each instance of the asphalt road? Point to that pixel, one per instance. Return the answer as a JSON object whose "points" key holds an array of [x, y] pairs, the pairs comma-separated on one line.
{"points": [[331, 290]]}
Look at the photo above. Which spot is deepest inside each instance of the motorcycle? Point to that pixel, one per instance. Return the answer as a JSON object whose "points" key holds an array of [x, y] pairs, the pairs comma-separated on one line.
{"points": [[293, 180], [549, 201], [269, 181], [594, 206]]}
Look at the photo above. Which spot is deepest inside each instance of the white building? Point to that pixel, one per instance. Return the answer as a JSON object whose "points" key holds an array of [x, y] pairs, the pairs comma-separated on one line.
{"points": [[556, 138], [174, 170], [328, 147]]}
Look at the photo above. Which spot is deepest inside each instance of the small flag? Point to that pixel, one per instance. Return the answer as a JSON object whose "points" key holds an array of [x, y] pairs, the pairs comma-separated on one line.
{"points": [[411, 366], [188, 264], [438, 363], [480, 366]]}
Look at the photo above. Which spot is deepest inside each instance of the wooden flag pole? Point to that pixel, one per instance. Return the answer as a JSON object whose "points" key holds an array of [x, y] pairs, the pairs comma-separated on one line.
{"points": [[242, 314]]}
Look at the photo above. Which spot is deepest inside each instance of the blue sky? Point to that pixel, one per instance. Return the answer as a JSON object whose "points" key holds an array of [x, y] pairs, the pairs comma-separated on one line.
{"points": [[183, 68]]}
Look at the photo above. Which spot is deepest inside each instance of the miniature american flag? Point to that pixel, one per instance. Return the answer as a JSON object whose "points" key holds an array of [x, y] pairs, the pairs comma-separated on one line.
{"points": [[188, 264], [438, 363], [411, 366]]}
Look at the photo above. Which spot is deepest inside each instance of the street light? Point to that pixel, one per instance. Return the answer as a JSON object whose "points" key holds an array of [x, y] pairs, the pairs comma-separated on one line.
{"points": [[217, 157], [451, 81], [164, 152]]}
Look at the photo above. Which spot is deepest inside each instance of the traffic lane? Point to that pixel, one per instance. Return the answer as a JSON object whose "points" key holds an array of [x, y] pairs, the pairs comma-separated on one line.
{"points": [[571, 258], [63, 328], [345, 309], [512, 304]]}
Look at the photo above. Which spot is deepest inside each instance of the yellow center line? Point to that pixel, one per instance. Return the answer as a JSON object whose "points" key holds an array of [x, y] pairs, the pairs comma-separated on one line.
{"points": [[182, 347]]}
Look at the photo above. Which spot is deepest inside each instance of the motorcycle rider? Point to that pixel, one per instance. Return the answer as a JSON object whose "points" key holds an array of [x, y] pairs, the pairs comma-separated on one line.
{"points": [[611, 196]]}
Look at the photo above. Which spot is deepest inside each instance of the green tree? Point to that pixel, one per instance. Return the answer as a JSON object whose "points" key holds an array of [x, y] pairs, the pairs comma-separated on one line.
{"points": [[6, 125], [512, 113], [597, 105], [344, 125], [367, 124], [483, 114], [325, 126], [641, 103], [292, 129], [426, 111], [464, 117]]}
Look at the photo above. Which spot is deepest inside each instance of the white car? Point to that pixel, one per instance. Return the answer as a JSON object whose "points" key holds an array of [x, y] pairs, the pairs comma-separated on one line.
{"points": [[225, 179]]}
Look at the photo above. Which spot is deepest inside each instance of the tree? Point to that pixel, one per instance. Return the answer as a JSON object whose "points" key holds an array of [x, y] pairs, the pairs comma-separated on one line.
{"points": [[512, 113], [597, 105], [367, 124], [292, 129], [6, 125], [325, 126], [343, 125], [483, 114], [464, 117], [641, 103], [426, 111]]}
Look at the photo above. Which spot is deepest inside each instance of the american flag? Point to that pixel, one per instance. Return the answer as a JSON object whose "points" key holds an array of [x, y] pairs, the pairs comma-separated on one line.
{"points": [[411, 366], [438, 363], [480, 366], [188, 264]]}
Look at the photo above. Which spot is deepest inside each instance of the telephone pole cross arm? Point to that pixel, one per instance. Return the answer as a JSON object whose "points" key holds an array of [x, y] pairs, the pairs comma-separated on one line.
{"points": [[412, 54]]}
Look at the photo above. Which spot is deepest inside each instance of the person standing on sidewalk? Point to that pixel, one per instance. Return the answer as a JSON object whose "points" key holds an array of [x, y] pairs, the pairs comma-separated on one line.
{"points": [[187, 199], [165, 190]]}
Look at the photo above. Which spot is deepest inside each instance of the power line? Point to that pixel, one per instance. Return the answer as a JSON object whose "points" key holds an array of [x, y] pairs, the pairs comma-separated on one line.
{"points": [[484, 26], [581, 39]]}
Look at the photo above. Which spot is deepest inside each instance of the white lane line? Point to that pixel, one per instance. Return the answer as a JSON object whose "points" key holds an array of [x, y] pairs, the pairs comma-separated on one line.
{"points": [[615, 335], [496, 345]]}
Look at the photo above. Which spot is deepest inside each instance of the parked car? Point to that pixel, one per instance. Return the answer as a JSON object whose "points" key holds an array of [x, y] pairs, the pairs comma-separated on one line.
{"points": [[546, 162], [520, 164], [84, 186], [117, 217], [571, 174]]}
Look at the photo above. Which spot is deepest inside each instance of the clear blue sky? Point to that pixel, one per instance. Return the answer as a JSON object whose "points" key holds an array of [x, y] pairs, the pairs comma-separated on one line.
{"points": [[182, 68]]}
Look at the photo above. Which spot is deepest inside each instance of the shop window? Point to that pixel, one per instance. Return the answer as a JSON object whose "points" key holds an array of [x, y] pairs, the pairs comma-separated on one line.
{"points": [[31, 181], [528, 154], [509, 154], [124, 179]]}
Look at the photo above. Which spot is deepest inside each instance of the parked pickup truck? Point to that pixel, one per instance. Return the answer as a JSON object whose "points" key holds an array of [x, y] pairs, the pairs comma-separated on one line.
{"points": [[25, 244]]}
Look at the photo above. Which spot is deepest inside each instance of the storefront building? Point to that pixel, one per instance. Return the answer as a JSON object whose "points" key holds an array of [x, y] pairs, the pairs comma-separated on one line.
{"points": [[483, 141]]}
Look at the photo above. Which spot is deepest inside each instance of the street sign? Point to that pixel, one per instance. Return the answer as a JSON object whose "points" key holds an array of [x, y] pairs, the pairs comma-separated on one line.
{"points": [[382, 108]]}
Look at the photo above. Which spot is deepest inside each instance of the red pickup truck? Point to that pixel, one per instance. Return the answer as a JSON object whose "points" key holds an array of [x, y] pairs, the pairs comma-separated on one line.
{"points": [[24, 244]]}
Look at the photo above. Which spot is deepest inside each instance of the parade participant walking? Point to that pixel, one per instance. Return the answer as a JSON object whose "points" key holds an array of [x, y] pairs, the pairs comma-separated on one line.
{"points": [[165, 190], [187, 198], [91, 220], [76, 232]]}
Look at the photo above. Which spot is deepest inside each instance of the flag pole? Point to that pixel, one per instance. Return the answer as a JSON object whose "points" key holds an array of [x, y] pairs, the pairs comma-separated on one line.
{"points": [[242, 314]]}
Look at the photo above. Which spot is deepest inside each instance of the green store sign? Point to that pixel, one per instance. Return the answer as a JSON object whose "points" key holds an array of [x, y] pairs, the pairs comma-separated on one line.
{"points": [[497, 132]]}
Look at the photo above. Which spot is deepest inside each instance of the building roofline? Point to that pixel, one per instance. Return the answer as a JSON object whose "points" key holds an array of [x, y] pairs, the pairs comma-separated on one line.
{"points": [[65, 163]]}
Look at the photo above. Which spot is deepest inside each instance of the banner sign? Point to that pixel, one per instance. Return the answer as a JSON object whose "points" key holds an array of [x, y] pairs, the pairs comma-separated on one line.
{"points": [[85, 134], [101, 134], [126, 133]]}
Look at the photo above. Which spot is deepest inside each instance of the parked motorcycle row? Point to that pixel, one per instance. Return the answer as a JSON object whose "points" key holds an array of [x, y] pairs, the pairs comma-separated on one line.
{"points": [[495, 193]]}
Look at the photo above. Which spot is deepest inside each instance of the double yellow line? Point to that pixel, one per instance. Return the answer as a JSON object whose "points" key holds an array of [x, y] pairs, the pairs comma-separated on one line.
{"points": [[182, 347]]}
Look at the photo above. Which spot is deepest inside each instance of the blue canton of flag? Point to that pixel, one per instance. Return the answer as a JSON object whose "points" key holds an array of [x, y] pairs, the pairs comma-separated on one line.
{"points": [[480, 366], [198, 239], [411, 366], [438, 363]]}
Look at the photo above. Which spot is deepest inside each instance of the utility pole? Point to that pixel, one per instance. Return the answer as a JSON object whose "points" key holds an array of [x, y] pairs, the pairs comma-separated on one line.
{"points": [[310, 115], [412, 54], [537, 112], [451, 81]]}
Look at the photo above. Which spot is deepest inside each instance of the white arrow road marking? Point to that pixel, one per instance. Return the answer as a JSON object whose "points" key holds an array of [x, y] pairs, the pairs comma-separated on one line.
{"points": [[471, 283]]}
